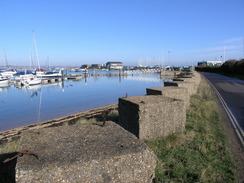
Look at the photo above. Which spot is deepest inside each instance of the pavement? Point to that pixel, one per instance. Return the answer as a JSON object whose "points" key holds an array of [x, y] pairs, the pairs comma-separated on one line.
{"points": [[231, 94]]}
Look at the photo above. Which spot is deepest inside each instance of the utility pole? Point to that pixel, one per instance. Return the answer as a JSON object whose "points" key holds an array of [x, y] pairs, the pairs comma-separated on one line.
{"points": [[243, 47], [162, 60], [224, 55], [168, 57]]}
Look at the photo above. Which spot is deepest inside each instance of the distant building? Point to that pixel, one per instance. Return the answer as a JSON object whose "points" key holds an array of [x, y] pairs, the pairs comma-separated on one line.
{"points": [[202, 64], [97, 66], [209, 63], [114, 65], [86, 66]]}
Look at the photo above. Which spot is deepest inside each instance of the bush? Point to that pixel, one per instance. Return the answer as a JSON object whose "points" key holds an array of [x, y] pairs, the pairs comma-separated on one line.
{"points": [[214, 69], [239, 67], [229, 66]]}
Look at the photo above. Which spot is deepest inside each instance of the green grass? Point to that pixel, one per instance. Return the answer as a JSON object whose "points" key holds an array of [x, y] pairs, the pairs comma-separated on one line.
{"points": [[200, 154], [236, 76], [12, 146], [112, 115]]}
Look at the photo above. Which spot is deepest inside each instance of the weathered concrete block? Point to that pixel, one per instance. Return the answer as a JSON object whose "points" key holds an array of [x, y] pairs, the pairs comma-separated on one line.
{"points": [[191, 80], [172, 92], [85, 153], [150, 117], [190, 86], [169, 73], [195, 78]]}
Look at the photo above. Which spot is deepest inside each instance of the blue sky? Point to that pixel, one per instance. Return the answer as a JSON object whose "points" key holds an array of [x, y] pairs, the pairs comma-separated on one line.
{"points": [[75, 32]]}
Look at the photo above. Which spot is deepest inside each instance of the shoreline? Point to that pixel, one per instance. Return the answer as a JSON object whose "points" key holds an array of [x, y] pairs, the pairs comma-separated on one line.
{"points": [[7, 135]]}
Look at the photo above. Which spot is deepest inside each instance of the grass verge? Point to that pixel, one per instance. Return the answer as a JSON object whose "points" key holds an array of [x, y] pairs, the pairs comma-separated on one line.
{"points": [[12, 146], [112, 115], [201, 153], [236, 76]]}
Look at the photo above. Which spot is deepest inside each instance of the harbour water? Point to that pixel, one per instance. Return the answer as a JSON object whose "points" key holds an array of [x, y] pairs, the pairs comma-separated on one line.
{"points": [[21, 106]]}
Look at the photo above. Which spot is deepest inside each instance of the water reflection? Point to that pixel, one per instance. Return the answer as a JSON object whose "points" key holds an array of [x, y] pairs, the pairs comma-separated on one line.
{"points": [[30, 104]]}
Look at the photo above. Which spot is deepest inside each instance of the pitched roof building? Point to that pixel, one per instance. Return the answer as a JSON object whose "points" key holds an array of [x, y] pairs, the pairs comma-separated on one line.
{"points": [[114, 65]]}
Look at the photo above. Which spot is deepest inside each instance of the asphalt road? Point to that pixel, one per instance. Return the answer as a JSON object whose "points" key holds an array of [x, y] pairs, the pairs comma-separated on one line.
{"points": [[232, 93]]}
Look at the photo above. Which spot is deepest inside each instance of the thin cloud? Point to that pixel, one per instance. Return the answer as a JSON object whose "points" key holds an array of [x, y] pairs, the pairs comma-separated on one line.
{"points": [[228, 44], [214, 49], [217, 54], [232, 40]]}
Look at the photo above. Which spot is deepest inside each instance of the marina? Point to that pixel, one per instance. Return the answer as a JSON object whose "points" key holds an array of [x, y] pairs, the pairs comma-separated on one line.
{"points": [[75, 92]]}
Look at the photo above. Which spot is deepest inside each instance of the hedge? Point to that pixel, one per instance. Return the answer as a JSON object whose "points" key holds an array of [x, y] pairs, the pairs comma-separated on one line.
{"points": [[231, 66]]}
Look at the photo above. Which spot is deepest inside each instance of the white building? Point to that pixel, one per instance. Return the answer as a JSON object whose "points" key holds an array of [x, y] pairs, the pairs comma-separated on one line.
{"points": [[114, 65], [210, 63]]}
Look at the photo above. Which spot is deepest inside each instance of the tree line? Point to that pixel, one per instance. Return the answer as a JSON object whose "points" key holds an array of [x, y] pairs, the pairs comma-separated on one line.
{"points": [[231, 66]]}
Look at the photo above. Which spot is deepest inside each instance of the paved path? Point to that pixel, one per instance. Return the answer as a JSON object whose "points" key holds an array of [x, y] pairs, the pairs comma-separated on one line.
{"points": [[231, 94]]}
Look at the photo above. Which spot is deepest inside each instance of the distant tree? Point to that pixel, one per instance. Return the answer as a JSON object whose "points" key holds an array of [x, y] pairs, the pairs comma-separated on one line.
{"points": [[229, 66], [239, 67]]}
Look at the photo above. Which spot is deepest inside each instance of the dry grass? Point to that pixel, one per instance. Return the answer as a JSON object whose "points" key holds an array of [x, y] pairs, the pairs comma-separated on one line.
{"points": [[85, 121]]}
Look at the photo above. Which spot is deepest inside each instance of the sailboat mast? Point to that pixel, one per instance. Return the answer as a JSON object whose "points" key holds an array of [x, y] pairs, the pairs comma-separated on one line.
{"points": [[48, 63], [30, 58], [37, 57], [5, 62], [162, 61]]}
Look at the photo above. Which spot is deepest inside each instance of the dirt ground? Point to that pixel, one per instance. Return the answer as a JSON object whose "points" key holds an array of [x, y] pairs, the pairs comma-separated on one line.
{"points": [[234, 145]]}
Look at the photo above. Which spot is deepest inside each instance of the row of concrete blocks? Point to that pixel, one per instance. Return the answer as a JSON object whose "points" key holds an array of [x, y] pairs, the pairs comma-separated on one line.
{"points": [[98, 153], [162, 111]]}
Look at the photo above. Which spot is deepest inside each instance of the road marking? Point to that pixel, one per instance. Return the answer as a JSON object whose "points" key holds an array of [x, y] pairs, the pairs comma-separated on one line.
{"points": [[232, 118]]}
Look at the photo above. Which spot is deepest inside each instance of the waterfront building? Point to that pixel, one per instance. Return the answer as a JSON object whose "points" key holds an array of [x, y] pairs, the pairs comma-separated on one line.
{"points": [[114, 65], [86, 66], [209, 63], [97, 66]]}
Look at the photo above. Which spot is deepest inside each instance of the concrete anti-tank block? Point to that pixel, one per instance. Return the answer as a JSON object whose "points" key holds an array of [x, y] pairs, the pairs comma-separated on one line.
{"points": [[151, 117], [191, 80], [85, 153], [195, 76], [190, 86], [172, 92]]}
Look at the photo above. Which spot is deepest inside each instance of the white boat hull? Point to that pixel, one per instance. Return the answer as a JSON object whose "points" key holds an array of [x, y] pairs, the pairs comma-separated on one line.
{"points": [[9, 73], [31, 81], [52, 74], [3, 82], [49, 75]]}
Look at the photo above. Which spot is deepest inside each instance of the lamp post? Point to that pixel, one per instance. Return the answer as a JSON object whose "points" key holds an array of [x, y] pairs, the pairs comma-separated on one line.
{"points": [[168, 56]]}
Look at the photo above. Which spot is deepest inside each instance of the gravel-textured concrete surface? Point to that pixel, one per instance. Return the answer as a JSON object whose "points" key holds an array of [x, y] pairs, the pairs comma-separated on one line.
{"points": [[172, 92], [151, 117], [85, 153], [190, 86]]}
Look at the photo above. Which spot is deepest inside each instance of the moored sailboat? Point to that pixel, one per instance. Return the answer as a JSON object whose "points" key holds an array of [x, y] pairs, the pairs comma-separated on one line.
{"points": [[31, 81], [51, 74], [3, 80], [26, 77], [8, 73]]}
